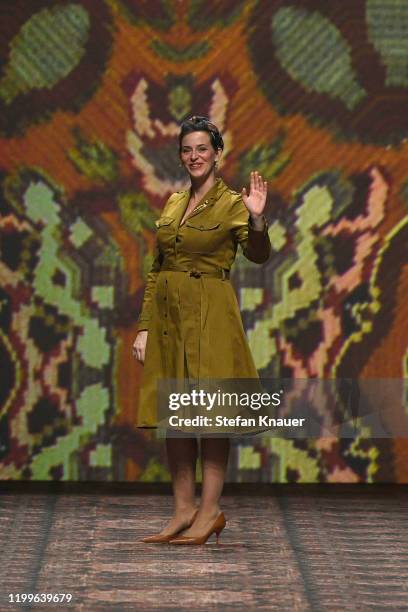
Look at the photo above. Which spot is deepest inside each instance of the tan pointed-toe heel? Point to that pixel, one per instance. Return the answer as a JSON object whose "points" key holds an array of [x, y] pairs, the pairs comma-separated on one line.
{"points": [[216, 528], [162, 539], [158, 539]]}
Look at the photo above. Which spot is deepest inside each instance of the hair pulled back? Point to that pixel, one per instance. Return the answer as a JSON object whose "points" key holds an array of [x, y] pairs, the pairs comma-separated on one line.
{"points": [[201, 124]]}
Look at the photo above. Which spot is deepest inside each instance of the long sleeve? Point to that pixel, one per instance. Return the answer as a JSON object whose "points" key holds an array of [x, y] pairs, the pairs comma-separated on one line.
{"points": [[255, 244], [144, 318]]}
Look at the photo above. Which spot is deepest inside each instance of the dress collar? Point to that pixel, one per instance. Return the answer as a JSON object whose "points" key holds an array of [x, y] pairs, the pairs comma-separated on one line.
{"points": [[208, 200], [212, 194]]}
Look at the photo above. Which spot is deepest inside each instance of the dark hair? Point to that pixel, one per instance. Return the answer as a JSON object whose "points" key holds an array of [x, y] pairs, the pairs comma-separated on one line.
{"points": [[201, 124]]}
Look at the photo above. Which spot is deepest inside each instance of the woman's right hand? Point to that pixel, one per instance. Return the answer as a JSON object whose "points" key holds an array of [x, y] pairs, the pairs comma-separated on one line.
{"points": [[139, 346]]}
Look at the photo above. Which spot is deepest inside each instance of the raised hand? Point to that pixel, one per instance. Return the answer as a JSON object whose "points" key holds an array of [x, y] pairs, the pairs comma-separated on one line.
{"points": [[256, 200]]}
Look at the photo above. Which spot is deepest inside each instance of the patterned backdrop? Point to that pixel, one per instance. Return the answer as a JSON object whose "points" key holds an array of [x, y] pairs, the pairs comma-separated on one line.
{"points": [[311, 93]]}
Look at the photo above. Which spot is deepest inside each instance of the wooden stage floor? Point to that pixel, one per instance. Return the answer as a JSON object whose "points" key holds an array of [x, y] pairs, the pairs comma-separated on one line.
{"points": [[286, 547]]}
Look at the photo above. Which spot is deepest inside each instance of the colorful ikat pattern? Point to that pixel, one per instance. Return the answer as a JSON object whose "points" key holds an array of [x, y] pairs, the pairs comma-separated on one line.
{"points": [[311, 94]]}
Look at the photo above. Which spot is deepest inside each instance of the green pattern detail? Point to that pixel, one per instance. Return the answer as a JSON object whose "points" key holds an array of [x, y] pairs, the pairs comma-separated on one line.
{"points": [[46, 49], [261, 343], [293, 458], [136, 213], [250, 297], [155, 472], [277, 236], [249, 459], [101, 456], [80, 233], [91, 406], [268, 160], [314, 211], [202, 16], [357, 449], [94, 159], [316, 208], [103, 296], [179, 102], [314, 53], [41, 206], [162, 17], [190, 52], [387, 28]]}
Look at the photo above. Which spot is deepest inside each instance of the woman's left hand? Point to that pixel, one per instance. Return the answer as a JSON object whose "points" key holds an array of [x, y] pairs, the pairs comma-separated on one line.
{"points": [[256, 200]]}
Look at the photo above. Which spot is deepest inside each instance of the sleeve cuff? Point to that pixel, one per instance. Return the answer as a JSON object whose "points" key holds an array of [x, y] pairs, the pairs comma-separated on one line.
{"points": [[142, 326], [264, 230]]}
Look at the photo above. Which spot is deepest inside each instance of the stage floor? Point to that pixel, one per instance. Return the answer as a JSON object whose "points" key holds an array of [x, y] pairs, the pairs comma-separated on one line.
{"points": [[285, 547]]}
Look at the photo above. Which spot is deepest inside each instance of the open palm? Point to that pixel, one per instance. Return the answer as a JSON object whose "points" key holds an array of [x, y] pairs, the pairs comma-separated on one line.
{"points": [[256, 200]]}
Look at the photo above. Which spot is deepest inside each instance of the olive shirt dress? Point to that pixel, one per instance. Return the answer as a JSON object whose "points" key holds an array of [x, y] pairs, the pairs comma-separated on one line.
{"points": [[190, 309]]}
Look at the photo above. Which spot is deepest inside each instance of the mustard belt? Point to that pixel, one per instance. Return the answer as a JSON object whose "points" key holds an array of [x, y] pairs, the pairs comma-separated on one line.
{"points": [[215, 273]]}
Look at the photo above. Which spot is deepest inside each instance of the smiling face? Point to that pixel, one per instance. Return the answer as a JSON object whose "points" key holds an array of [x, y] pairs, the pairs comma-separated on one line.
{"points": [[198, 155]]}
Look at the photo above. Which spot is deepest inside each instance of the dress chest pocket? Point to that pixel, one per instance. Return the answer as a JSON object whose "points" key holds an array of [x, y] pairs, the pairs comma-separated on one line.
{"points": [[163, 222], [203, 227], [203, 236]]}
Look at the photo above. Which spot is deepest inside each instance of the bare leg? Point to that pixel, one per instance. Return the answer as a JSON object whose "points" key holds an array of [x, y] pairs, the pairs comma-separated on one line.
{"points": [[182, 458], [214, 458]]}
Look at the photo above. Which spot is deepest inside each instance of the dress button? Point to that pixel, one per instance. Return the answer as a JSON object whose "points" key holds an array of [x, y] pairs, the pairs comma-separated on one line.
{"points": [[165, 333]]}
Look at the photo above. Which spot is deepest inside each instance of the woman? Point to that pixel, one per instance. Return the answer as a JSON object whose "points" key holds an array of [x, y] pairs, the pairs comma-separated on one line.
{"points": [[190, 326]]}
